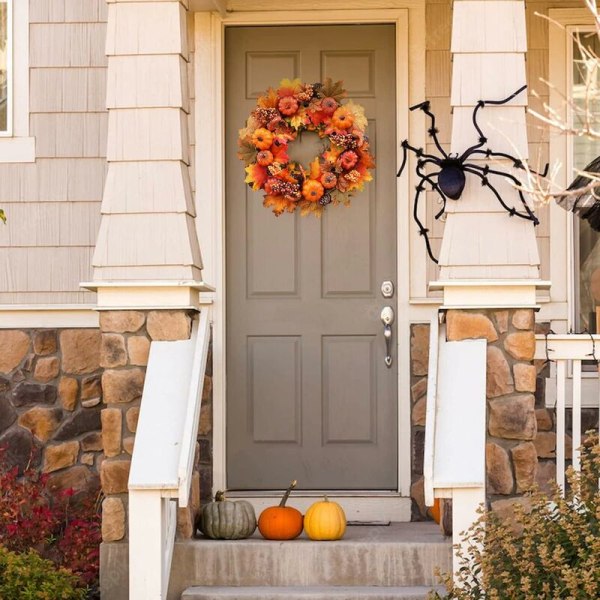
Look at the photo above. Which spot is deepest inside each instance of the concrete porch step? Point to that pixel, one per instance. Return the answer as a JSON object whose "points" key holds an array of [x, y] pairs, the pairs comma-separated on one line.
{"points": [[401, 555], [307, 593]]}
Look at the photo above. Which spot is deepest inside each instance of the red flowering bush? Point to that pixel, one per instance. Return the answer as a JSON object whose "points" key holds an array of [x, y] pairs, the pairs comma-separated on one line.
{"points": [[58, 527]]}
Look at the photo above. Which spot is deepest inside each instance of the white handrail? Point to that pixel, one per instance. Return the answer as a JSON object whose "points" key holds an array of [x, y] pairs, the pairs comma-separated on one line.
{"points": [[432, 376], [454, 461], [194, 402], [163, 457]]}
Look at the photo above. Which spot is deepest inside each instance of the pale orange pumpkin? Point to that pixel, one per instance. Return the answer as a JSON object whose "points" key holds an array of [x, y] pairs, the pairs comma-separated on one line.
{"points": [[325, 520], [342, 118], [262, 138], [281, 522]]}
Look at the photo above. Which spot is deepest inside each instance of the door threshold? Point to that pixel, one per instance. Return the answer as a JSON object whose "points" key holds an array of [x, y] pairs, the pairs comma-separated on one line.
{"points": [[362, 506]]}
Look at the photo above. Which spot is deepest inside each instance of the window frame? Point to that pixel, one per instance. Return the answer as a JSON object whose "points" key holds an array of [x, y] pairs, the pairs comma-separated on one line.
{"points": [[16, 145], [9, 71], [564, 269], [570, 31]]}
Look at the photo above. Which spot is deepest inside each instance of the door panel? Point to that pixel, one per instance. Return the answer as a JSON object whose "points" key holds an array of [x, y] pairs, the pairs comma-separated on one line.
{"points": [[308, 394]]}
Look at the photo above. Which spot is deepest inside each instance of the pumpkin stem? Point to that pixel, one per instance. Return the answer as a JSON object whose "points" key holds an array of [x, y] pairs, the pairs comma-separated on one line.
{"points": [[219, 496], [287, 493], [325, 498]]}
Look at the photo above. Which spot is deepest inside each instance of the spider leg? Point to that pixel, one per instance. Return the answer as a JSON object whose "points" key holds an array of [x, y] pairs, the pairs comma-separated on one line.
{"points": [[482, 139], [518, 164], [482, 104], [433, 130], [417, 151], [507, 99], [482, 173], [404, 160], [429, 179], [517, 183], [422, 229]]}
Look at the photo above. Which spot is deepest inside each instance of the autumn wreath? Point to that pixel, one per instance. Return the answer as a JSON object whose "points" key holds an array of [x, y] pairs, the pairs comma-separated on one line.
{"points": [[279, 117]]}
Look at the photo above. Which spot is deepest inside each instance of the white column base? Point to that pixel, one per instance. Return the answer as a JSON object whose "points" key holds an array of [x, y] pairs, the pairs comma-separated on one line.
{"points": [[484, 294], [129, 295]]}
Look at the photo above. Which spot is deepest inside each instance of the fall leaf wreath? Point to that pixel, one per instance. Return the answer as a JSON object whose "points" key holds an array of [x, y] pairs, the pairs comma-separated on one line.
{"points": [[280, 116]]}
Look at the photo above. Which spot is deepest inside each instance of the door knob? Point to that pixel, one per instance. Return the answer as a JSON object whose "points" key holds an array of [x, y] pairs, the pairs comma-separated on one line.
{"points": [[387, 318]]}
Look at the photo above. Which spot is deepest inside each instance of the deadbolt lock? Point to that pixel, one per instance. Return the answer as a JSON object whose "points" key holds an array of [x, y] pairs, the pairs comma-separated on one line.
{"points": [[387, 289]]}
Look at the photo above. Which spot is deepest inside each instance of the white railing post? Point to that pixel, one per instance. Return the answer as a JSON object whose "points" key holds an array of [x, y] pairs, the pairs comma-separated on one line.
{"points": [[576, 420], [569, 351], [561, 383], [151, 536]]}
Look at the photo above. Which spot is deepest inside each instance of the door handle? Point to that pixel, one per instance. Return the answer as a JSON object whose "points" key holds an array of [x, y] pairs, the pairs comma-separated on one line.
{"points": [[387, 318]]}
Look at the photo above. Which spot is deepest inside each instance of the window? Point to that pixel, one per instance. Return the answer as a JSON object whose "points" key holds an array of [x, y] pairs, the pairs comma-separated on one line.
{"points": [[585, 94], [5, 67], [16, 145]]}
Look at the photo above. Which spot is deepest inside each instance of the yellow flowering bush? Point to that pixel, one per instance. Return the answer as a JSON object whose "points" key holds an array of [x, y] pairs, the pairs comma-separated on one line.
{"points": [[548, 548], [28, 576]]}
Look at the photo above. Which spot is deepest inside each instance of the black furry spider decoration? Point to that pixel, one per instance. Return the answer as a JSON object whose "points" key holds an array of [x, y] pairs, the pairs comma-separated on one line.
{"points": [[449, 181]]}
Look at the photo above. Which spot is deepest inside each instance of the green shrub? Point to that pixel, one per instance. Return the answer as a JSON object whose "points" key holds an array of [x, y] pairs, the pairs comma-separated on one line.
{"points": [[548, 548], [27, 576]]}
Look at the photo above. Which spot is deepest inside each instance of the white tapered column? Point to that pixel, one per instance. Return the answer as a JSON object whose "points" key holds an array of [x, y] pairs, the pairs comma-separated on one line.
{"points": [[147, 247], [481, 241]]}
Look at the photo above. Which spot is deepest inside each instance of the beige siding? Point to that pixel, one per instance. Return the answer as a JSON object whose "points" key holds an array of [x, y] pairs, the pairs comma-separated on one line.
{"points": [[53, 205]]}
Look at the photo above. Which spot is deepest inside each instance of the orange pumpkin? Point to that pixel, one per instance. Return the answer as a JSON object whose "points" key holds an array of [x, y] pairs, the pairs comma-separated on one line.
{"points": [[435, 511], [281, 522]]}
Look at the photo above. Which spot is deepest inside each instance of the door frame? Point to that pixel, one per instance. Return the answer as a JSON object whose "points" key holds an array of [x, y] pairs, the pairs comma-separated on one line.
{"points": [[209, 115]]}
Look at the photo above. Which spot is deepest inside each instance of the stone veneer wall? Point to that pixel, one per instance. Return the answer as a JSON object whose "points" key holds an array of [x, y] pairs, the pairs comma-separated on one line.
{"points": [[519, 427], [69, 404], [126, 337], [521, 441], [50, 403]]}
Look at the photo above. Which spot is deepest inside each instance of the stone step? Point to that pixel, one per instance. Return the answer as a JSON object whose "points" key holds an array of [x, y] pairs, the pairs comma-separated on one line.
{"points": [[399, 555], [307, 593]]}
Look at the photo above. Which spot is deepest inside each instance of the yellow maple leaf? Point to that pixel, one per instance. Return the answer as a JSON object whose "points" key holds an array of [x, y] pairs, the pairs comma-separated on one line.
{"points": [[298, 120], [269, 100], [358, 112], [315, 169], [289, 87]]}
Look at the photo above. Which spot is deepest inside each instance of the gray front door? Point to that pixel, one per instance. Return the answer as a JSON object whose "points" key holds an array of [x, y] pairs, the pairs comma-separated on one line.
{"points": [[308, 394]]}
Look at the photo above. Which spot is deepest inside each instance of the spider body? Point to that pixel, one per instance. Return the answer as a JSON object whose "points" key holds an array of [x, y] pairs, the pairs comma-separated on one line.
{"points": [[451, 177], [447, 172]]}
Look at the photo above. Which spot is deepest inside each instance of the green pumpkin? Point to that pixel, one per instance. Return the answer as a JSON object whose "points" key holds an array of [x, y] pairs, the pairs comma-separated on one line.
{"points": [[226, 520]]}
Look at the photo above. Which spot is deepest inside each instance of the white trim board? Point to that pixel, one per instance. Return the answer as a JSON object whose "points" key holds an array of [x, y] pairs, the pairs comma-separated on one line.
{"points": [[362, 507], [210, 206], [47, 316]]}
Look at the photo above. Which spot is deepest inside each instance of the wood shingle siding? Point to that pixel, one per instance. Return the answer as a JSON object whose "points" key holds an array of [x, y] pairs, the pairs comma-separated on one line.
{"points": [[53, 205]]}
